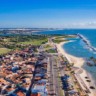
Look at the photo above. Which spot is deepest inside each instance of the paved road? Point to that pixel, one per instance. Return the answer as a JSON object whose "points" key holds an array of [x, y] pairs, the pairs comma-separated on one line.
{"points": [[54, 81]]}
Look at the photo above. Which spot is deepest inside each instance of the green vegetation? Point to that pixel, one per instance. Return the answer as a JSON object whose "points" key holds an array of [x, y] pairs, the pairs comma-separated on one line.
{"points": [[19, 42], [59, 40], [47, 46], [51, 51], [4, 51], [64, 38], [14, 42], [35, 41]]}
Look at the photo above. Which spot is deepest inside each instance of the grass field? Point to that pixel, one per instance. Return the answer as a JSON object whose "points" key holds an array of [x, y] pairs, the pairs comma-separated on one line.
{"points": [[4, 50], [51, 51], [18, 41], [34, 42], [59, 39]]}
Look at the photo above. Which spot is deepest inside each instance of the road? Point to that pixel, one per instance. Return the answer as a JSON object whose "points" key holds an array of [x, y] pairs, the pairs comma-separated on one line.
{"points": [[53, 77], [54, 87]]}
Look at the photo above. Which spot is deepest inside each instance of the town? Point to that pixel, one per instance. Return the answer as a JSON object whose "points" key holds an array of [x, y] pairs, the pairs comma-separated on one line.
{"points": [[39, 70], [47, 47]]}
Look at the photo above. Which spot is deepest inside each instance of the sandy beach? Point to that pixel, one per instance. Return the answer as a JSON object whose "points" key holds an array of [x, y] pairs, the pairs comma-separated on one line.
{"points": [[78, 62]]}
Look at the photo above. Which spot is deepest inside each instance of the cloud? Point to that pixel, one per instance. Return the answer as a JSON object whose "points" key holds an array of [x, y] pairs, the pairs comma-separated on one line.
{"points": [[82, 25], [91, 24]]}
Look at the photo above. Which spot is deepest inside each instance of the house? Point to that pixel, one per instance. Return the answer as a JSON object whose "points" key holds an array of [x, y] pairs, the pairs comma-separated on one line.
{"points": [[36, 94], [42, 82], [20, 93], [40, 89]]}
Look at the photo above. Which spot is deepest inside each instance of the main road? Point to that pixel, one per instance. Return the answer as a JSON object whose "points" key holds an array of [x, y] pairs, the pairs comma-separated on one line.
{"points": [[54, 77]]}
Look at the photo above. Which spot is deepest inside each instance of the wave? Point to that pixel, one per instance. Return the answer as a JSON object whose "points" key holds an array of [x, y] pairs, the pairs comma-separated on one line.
{"points": [[87, 42]]}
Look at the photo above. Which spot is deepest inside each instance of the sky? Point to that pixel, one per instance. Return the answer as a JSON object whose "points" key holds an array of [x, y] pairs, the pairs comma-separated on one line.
{"points": [[48, 13]]}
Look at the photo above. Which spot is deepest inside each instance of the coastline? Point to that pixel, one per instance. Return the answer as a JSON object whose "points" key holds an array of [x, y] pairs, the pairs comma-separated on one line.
{"points": [[71, 59], [78, 62]]}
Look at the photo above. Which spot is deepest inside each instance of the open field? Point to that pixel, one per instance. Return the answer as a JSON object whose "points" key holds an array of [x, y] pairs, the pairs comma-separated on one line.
{"points": [[47, 46], [4, 50], [59, 39], [34, 42], [51, 51], [19, 41]]}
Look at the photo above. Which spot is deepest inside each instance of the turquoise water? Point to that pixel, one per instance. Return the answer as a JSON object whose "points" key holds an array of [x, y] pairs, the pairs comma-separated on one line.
{"points": [[78, 48]]}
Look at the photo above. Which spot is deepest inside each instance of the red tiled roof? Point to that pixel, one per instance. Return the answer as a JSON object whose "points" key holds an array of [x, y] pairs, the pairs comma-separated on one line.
{"points": [[35, 94], [20, 93]]}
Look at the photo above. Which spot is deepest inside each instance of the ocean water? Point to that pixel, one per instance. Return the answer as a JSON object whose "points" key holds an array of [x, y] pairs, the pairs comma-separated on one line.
{"points": [[78, 47]]}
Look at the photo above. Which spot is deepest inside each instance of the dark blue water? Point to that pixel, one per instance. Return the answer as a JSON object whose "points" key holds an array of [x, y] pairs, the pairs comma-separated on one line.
{"points": [[78, 48]]}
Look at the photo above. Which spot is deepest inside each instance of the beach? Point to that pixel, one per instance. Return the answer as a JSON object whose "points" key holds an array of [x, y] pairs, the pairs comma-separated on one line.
{"points": [[78, 62]]}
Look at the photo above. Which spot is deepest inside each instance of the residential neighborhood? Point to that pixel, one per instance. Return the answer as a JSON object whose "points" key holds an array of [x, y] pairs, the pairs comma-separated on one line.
{"points": [[40, 70], [17, 71]]}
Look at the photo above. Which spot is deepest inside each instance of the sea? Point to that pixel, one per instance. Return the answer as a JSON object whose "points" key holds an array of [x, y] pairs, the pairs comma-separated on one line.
{"points": [[83, 46], [78, 47]]}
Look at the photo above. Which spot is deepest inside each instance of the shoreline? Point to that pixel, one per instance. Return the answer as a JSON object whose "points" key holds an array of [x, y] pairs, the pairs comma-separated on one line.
{"points": [[78, 62], [71, 58]]}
